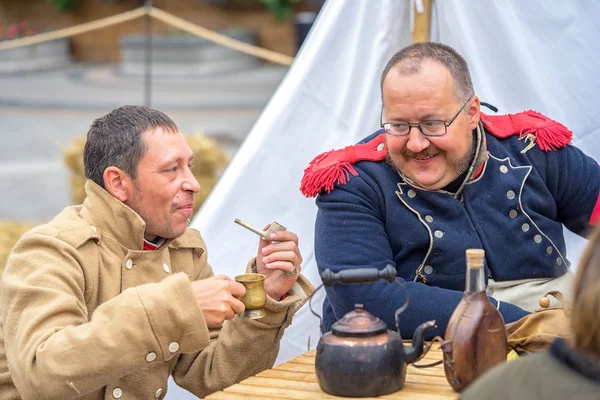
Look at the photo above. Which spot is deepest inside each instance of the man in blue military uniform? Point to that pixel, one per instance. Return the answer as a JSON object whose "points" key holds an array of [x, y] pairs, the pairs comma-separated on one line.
{"points": [[442, 177]]}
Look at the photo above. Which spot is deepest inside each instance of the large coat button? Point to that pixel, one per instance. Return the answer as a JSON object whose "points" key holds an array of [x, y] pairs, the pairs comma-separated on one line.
{"points": [[173, 347], [117, 393]]}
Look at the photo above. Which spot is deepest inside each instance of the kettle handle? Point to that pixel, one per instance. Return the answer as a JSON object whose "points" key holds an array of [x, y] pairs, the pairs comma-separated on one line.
{"points": [[358, 275]]}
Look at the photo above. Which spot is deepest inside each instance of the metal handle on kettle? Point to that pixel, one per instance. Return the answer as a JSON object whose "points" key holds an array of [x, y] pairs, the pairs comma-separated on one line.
{"points": [[358, 275], [353, 276]]}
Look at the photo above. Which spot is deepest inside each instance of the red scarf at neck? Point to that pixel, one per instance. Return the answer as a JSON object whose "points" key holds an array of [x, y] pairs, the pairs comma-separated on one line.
{"points": [[153, 246]]}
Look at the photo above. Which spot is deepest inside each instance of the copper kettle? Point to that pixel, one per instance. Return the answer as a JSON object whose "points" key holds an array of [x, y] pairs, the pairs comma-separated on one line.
{"points": [[361, 357]]}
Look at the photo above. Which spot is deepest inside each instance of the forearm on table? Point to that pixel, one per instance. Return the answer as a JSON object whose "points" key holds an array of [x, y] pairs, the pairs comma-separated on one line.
{"points": [[243, 347]]}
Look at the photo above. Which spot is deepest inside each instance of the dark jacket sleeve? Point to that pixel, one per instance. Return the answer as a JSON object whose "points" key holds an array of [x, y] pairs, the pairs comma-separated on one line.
{"points": [[573, 179], [350, 232]]}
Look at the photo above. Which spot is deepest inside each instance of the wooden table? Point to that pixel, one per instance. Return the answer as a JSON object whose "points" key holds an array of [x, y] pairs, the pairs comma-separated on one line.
{"points": [[296, 379]]}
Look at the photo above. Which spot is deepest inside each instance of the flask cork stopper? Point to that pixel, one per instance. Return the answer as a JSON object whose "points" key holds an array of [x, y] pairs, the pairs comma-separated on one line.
{"points": [[475, 258]]}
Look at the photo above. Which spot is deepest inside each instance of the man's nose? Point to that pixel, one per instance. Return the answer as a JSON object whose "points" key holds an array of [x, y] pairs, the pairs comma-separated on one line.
{"points": [[190, 184], [417, 142]]}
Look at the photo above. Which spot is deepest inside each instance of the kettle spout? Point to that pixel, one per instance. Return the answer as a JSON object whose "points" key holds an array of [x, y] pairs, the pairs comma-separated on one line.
{"points": [[414, 352]]}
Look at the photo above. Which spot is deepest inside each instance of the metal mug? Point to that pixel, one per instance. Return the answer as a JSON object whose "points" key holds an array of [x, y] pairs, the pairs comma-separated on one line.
{"points": [[255, 297]]}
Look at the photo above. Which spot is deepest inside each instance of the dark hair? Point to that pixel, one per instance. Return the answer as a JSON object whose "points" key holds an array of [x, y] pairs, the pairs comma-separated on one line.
{"points": [[115, 140], [585, 310], [410, 59]]}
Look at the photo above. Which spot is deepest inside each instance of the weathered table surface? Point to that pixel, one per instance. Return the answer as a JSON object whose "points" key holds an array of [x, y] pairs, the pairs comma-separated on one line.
{"points": [[296, 379]]}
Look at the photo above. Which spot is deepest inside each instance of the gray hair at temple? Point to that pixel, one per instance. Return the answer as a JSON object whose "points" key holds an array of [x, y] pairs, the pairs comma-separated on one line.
{"points": [[115, 140], [585, 310], [410, 59]]}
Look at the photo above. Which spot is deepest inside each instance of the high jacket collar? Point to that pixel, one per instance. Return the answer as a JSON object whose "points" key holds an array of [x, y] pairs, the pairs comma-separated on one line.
{"points": [[113, 217]]}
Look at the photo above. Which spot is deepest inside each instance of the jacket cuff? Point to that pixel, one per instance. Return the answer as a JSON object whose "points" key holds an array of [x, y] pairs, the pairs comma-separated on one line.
{"points": [[280, 313], [510, 312], [177, 322]]}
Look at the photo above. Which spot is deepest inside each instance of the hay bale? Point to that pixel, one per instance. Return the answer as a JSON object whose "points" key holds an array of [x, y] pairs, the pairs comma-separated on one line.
{"points": [[10, 232], [73, 159], [73, 155], [209, 162]]}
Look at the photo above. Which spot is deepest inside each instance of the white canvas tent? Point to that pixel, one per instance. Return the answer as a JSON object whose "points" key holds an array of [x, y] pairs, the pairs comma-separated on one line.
{"points": [[535, 54], [329, 98]]}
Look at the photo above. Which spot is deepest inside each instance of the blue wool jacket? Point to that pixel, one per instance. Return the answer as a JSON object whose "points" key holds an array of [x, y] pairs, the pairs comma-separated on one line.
{"points": [[514, 209]]}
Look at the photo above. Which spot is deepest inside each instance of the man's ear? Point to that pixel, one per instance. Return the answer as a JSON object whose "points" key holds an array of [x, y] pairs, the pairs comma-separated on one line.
{"points": [[118, 183], [474, 110]]}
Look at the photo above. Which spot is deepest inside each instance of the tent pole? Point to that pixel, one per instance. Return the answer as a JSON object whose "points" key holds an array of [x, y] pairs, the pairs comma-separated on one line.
{"points": [[148, 55], [422, 26]]}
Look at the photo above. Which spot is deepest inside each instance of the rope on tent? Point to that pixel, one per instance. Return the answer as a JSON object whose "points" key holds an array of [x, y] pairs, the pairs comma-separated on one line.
{"points": [[73, 30], [218, 38], [160, 15]]}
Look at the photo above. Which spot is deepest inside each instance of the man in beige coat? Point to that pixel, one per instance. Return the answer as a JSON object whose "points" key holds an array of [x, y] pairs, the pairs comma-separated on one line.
{"points": [[112, 297]]}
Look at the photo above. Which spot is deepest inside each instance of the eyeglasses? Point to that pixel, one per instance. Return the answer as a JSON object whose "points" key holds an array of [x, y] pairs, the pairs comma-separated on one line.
{"points": [[427, 128]]}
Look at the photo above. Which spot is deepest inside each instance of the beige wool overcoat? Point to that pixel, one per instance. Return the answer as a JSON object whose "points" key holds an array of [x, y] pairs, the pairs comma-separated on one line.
{"points": [[87, 313]]}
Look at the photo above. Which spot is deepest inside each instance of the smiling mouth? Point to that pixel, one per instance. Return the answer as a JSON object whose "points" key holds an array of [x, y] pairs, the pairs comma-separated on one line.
{"points": [[424, 157], [187, 209]]}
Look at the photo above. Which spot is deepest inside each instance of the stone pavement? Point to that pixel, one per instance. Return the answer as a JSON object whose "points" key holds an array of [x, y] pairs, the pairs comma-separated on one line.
{"points": [[40, 113]]}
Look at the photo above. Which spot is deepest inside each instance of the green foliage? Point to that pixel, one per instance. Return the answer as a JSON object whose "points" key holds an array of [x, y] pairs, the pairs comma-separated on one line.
{"points": [[281, 9], [63, 5]]}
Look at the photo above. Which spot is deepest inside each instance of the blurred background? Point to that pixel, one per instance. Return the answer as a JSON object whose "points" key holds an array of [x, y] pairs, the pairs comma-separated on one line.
{"points": [[51, 91]]}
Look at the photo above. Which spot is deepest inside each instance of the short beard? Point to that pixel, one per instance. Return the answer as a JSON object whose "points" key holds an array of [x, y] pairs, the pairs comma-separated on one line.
{"points": [[388, 160], [151, 229], [460, 165]]}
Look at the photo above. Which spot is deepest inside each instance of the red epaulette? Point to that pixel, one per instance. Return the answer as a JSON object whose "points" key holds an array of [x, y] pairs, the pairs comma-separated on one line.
{"points": [[335, 166], [529, 125]]}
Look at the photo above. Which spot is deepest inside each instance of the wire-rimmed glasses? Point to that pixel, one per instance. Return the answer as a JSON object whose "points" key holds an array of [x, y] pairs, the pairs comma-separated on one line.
{"points": [[428, 128]]}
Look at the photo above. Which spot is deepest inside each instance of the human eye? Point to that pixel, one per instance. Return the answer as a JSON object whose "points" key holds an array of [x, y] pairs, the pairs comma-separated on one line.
{"points": [[171, 169], [396, 128], [433, 127], [432, 124]]}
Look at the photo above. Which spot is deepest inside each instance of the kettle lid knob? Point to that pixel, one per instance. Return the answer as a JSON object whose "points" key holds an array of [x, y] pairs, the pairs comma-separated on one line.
{"points": [[358, 323]]}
